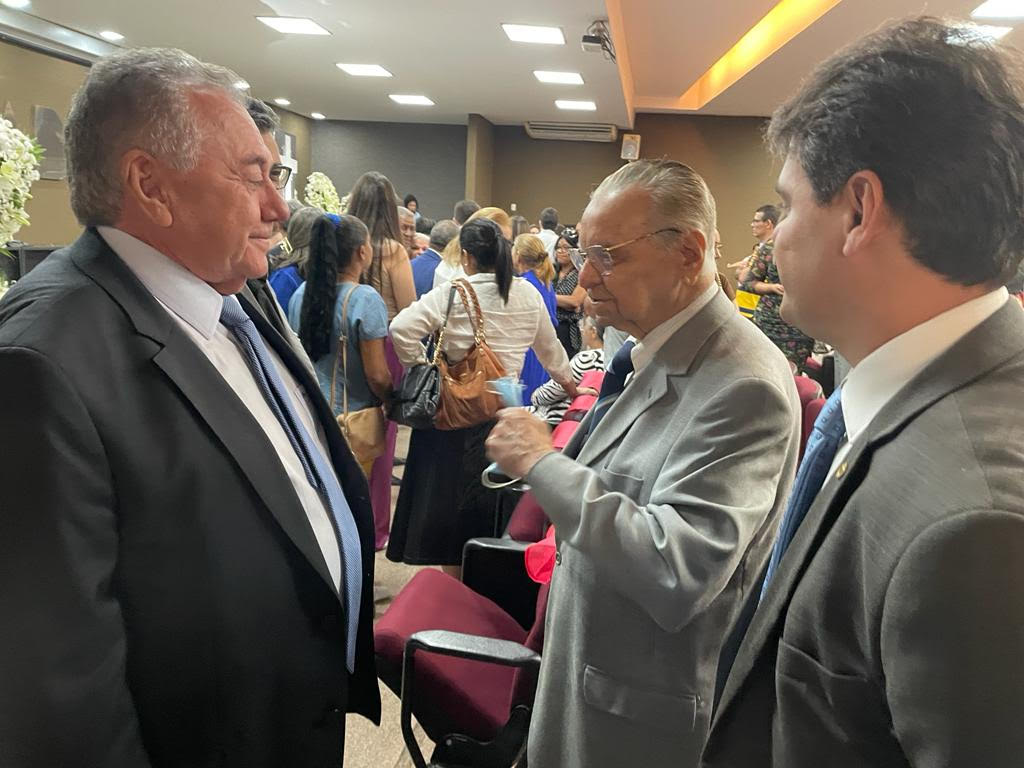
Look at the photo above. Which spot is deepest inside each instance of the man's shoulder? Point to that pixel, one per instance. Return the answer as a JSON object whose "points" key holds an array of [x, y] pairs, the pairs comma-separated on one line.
{"points": [[51, 302]]}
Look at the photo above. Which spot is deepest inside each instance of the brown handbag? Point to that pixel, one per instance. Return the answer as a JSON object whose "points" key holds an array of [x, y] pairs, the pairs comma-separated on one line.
{"points": [[466, 398], [364, 430]]}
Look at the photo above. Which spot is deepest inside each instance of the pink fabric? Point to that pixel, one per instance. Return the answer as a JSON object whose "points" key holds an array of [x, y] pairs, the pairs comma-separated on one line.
{"points": [[540, 558], [384, 465]]}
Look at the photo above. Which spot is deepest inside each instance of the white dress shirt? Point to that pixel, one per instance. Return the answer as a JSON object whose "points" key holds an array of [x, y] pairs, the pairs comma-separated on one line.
{"points": [[510, 328], [445, 273], [550, 239], [877, 379], [645, 350], [196, 306]]}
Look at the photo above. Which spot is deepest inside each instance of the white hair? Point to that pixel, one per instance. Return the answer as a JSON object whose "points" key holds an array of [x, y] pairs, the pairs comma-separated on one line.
{"points": [[137, 98], [680, 195]]}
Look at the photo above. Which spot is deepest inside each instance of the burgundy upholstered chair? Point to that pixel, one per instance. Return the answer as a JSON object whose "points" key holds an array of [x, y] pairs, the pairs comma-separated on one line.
{"points": [[464, 667]]}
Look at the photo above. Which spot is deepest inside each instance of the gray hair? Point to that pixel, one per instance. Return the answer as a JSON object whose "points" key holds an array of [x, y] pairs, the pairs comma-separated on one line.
{"points": [[136, 98], [265, 118], [443, 233], [404, 212], [680, 195]]}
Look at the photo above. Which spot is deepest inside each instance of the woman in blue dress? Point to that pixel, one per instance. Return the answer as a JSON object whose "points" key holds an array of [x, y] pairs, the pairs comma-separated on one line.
{"points": [[532, 262]]}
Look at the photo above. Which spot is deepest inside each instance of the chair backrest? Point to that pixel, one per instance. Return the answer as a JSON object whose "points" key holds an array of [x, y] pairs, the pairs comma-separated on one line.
{"points": [[579, 407], [528, 521], [524, 685], [808, 389]]}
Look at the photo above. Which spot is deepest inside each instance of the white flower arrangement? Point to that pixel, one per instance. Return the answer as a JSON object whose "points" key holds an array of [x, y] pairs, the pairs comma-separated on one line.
{"points": [[19, 159], [320, 193]]}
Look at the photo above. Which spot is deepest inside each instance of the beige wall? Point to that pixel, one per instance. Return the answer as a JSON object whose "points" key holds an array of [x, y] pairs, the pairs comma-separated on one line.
{"points": [[28, 79], [726, 151], [729, 153], [535, 174], [480, 160]]}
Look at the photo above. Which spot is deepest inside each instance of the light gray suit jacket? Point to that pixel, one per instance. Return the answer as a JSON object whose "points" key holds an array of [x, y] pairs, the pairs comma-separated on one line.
{"points": [[893, 632], [664, 520]]}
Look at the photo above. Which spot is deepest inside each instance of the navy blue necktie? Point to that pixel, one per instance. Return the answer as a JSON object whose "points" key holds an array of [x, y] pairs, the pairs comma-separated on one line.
{"points": [[613, 383], [828, 432], [318, 471]]}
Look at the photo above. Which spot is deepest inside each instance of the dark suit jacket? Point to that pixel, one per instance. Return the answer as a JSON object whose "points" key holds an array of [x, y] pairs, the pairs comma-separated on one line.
{"points": [[164, 599], [893, 632]]}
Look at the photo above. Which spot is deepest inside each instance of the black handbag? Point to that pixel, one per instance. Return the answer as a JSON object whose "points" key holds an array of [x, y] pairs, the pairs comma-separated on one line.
{"points": [[416, 402]]}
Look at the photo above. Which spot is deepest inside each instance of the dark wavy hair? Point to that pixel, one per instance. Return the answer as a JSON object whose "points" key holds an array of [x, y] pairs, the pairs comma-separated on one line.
{"points": [[482, 239], [937, 112], [373, 201], [331, 249]]}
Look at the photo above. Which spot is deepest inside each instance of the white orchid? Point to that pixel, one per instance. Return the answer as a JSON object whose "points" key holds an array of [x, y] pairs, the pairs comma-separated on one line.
{"points": [[19, 159], [320, 193]]}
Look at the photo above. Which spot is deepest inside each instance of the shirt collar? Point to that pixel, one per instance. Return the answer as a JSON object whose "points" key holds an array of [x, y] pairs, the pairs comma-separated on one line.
{"points": [[180, 291], [881, 375], [644, 351]]}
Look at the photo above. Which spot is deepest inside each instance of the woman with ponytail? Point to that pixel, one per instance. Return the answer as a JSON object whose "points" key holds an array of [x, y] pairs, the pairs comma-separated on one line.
{"points": [[441, 503], [339, 252]]}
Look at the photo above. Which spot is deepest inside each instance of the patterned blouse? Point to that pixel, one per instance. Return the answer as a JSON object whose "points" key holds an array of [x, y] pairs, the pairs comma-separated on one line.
{"points": [[564, 286], [795, 345]]}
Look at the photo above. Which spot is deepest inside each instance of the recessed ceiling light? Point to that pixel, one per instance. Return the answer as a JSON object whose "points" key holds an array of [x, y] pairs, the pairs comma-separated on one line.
{"points": [[282, 102], [419, 101], [587, 106], [524, 33], [560, 78], [364, 70], [992, 33], [242, 85], [290, 25], [999, 9], [16, 4], [111, 35], [317, 116]]}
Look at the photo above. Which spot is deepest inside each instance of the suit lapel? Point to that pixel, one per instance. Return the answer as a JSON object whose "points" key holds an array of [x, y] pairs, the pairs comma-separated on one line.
{"points": [[674, 358], [988, 346], [217, 405]]}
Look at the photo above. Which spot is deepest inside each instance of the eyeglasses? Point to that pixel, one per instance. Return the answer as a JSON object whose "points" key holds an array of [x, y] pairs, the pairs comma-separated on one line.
{"points": [[600, 257], [279, 175]]}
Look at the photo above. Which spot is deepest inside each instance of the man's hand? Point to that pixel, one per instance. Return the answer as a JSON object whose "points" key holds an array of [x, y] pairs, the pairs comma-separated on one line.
{"points": [[518, 441]]}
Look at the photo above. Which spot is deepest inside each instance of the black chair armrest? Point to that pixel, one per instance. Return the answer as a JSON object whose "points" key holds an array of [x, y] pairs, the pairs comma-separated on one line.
{"points": [[460, 645], [505, 652], [495, 568]]}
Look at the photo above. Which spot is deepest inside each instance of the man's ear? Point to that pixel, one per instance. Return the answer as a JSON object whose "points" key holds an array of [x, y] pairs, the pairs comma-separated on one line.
{"points": [[692, 249], [146, 183], [865, 216]]}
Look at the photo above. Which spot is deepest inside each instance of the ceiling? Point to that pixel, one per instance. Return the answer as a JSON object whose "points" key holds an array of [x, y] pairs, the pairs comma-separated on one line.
{"points": [[668, 45], [455, 52]]}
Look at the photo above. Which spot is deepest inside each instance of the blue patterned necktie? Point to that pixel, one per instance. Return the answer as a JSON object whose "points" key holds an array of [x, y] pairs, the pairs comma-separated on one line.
{"points": [[828, 432], [318, 472], [613, 383]]}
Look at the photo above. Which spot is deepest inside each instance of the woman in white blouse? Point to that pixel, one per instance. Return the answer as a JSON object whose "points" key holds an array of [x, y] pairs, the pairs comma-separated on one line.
{"points": [[441, 503]]}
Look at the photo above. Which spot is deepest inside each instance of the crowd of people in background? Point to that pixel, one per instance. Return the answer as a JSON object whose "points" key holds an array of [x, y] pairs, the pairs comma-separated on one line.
{"points": [[189, 525]]}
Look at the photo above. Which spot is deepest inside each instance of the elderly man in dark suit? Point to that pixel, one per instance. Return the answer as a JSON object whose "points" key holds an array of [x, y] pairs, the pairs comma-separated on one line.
{"points": [[186, 543], [890, 629], [665, 501]]}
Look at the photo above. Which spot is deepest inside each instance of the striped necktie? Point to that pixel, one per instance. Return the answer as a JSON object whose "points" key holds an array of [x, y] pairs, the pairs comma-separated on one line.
{"points": [[318, 471]]}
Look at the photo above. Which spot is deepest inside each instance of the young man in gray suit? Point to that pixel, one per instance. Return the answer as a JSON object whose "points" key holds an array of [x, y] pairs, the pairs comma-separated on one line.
{"points": [[890, 631], [666, 500]]}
